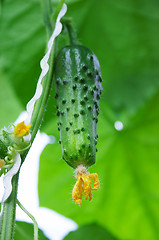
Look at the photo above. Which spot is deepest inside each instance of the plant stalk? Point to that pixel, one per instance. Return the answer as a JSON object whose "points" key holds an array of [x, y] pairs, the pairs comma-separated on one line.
{"points": [[8, 215], [42, 102]]}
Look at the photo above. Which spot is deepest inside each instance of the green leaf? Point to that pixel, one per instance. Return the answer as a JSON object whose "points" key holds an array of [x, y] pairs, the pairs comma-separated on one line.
{"points": [[22, 43], [91, 231], [10, 106], [25, 231]]}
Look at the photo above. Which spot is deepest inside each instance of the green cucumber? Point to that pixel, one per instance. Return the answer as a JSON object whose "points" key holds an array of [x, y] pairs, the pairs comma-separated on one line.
{"points": [[78, 86]]}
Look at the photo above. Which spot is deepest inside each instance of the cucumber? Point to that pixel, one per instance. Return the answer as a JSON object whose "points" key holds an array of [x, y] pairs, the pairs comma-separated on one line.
{"points": [[78, 86]]}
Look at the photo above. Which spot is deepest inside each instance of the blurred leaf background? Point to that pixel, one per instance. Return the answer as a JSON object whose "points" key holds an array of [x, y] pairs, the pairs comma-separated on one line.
{"points": [[124, 35]]}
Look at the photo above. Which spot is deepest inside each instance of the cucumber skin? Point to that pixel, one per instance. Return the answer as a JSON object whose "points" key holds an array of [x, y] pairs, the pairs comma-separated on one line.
{"points": [[78, 85]]}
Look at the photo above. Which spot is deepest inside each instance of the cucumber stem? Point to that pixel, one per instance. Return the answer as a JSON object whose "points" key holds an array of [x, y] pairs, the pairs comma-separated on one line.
{"points": [[71, 32]]}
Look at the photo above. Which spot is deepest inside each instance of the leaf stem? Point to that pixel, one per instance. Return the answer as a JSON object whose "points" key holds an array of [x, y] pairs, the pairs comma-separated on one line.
{"points": [[71, 32], [32, 218]]}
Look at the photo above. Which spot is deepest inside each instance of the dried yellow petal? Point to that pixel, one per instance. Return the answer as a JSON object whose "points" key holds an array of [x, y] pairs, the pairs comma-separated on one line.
{"points": [[94, 176], [21, 130], [87, 186], [83, 184], [77, 191]]}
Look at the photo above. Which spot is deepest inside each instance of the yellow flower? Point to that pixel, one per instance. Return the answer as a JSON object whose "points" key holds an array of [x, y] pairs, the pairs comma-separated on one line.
{"points": [[83, 184], [1, 163], [21, 130]]}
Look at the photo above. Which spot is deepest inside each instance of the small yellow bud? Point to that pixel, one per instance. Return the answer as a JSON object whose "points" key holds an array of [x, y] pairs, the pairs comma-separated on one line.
{"points": [[21, 130], [83, 184], [1, 163]]}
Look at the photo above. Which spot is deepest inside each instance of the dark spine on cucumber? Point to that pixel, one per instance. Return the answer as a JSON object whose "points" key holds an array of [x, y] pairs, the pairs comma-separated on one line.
{"points": [[78, 86]]}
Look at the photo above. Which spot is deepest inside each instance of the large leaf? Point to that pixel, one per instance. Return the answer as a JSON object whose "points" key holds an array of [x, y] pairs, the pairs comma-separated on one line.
{"points": [[91, 231], [124, 35], [22, 43]]}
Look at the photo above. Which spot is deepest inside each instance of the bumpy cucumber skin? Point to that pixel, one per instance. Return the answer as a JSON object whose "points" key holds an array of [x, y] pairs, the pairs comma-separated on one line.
{"points": [[78, 86]]}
